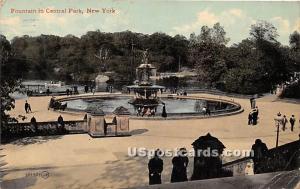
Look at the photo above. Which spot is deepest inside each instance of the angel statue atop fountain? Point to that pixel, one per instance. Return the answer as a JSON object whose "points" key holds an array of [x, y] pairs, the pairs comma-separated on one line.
{"points": [[145, 57]]}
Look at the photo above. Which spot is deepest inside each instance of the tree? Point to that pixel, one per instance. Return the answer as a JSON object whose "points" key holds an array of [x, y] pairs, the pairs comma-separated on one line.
{"points": [[263, 31], [273, 59], [207, 54], [295, 41], [8, 83], [245, 74]]}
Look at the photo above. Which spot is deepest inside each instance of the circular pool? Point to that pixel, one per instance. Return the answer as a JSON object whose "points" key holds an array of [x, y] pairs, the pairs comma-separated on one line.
{"points": [[175, 106]]}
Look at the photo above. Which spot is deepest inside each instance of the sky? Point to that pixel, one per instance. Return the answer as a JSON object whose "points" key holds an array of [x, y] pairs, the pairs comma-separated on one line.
{"points": [[167, 16]]}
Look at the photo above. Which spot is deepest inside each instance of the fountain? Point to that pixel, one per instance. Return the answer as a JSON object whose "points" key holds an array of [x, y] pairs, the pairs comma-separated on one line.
{"points": [[146, 93], [147, 99]]}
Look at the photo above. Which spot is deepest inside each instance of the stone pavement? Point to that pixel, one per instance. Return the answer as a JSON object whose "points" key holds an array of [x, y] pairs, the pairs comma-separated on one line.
{"points": [[79, 161]]}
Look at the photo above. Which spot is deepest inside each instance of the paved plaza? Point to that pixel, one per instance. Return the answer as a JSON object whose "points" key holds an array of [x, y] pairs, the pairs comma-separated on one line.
{"points": [[79, 161]]}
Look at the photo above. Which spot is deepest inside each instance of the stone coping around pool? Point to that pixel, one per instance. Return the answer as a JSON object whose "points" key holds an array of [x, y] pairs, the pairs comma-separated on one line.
{"points": [[233, 111]]}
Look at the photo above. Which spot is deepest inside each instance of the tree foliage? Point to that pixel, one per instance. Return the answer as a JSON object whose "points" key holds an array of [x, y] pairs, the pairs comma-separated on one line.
{"points": [[8, 80]]}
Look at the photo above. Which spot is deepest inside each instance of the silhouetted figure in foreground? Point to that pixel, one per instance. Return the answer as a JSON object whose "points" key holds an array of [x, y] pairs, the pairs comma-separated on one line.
{"points": [[260, 151], [155, 167], [180, 163]]}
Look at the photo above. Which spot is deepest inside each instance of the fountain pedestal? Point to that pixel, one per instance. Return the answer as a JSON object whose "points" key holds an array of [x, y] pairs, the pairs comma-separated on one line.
{"points": [[96, 123], [146, 94]]}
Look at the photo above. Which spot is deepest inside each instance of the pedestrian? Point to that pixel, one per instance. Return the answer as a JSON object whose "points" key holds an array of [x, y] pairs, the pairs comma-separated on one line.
{"points": [[34, 124], [292, 122], [284, 122], [254, 116], [86, 89], [164, 112], [60, 121], [256, 109], [29, 108], [26, 106], [155, 167], [278, 119], [180, 163], [250, 118]]}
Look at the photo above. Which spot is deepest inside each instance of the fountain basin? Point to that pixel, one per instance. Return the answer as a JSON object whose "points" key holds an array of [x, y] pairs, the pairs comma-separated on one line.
{"points": [[177, 106]]}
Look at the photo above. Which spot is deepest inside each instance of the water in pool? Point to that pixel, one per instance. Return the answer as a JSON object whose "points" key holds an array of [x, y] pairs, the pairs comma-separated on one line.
{"points": [[173, 105]]}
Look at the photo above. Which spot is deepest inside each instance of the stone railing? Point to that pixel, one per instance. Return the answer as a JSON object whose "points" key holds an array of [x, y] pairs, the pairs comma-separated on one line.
{"points": [[19, 130], [282, 158], [216, 92]]}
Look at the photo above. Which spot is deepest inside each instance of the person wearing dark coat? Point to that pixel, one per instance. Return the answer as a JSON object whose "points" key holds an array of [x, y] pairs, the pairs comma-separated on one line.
{"points": [[155, 167], [164, 112], [34, 123], [292, 121], [260, 152], [180, 163], [61, 122], [29, 108], [26, 107], [250, 118], [254, 116]]}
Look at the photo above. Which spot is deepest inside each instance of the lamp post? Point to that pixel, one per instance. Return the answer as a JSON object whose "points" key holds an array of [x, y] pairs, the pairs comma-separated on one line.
{"points": [[277, 124]]}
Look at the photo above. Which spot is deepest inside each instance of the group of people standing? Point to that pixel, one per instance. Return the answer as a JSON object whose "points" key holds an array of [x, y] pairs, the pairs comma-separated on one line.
{"points": [[253, 116], [179, 170], [283, 120], [150, 112], [92, 89], [145, 111]]}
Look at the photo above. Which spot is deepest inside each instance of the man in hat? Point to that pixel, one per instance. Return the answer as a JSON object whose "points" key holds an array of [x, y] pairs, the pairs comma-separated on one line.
{"points": [[250, 118], [180, 163], [26, 106], [254, 116], [155, 167], [292, 122], [284, 122]]}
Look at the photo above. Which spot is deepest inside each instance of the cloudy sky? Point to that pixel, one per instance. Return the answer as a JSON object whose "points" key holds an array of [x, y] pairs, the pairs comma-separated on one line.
{"points": [[171, 17]]}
